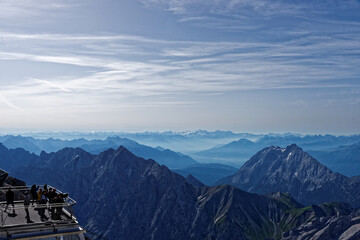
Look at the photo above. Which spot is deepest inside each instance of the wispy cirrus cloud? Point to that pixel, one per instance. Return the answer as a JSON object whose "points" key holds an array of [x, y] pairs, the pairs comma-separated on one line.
{"points": [[25, 8], [204, 66], [8, 103], [264, 7], [125, 71], [260, 15]]}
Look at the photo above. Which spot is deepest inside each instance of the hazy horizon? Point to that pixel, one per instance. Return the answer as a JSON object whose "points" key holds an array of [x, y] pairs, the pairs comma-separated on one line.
{"points": [[144, 65], [23, 132]]}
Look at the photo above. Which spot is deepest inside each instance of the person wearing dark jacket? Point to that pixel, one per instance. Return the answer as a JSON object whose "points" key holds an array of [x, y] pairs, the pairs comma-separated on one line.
{"points": [[34, 194], [10, 199], [26, 205], [42, 207]]}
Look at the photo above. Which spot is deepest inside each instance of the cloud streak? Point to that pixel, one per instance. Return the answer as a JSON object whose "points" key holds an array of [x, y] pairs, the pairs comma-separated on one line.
{"points": [[25, 8], [260, 15], [183, 67], [8, 103]]}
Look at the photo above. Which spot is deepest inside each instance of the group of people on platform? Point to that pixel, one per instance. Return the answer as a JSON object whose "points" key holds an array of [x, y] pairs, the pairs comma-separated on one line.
{"points": [[40, 196]]}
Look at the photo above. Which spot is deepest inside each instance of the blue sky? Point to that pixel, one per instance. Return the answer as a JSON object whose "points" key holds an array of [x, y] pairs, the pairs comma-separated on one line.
{"points": [[135, 65]]}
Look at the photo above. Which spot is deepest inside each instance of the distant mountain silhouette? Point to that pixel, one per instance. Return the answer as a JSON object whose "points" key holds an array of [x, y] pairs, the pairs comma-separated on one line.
{"points": [[241, 150], [235, 151], [122, 196], [230, 148], [186, 142], [160, 148], [167, 157], [308, 142], [292, 170], [343, 159], [208, 173], [14, 158]]}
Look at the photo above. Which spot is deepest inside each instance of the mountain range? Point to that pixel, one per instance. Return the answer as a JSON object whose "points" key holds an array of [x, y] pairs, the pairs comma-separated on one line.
{"points": [[186, 142], [167, 157], [122, 196], [342, 159], [337, 152], [13, 158], [290, 169]]}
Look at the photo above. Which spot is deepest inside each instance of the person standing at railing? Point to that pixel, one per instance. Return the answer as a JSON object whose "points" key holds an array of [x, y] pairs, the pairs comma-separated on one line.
{"points": [[34, 195], [51, 194], [42, 207], [39, 194], [59, 201], [10, 199], [26, 205]]}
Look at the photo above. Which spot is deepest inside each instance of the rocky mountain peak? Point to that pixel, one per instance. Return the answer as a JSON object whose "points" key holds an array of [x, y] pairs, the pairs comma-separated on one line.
{"points": [[292, 170], [293, 147], [291, 161], [124, 152], [67, 157]]}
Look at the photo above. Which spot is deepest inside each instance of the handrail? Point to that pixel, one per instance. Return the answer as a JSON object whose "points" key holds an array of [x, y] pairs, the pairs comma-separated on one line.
{"points": [[67, 204], [28, 188], [52, 205]]}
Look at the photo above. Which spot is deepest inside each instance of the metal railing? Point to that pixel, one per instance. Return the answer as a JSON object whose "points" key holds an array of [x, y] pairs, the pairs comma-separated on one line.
{"points": [[19, 192], [23, 189]]}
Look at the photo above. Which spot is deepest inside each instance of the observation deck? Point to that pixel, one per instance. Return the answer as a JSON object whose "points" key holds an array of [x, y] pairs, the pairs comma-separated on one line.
{"points": [[46, 221]]}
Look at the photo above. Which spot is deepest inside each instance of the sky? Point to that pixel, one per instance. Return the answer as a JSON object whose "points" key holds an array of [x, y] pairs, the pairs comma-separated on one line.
{"points": [[156, 65]]}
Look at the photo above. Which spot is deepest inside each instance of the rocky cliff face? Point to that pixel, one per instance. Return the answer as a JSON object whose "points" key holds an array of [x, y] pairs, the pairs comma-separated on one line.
{"points": [[333, 227], [6, 180], [292, 170]]}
